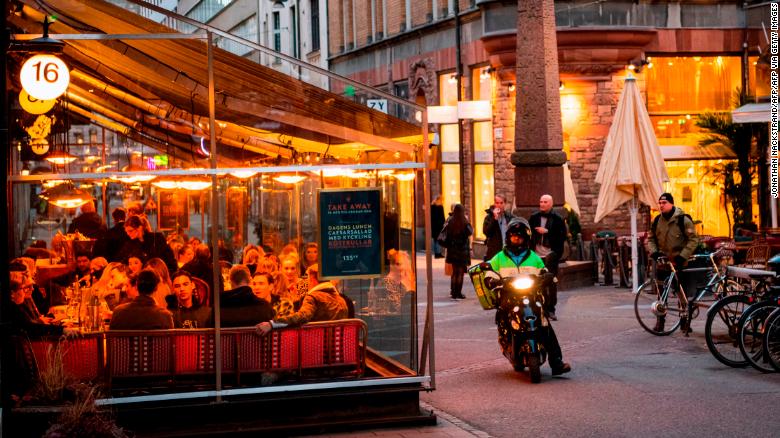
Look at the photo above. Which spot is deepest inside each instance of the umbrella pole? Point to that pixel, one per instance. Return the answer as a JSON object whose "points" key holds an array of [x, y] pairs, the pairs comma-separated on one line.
{"points": [[634, 249]]}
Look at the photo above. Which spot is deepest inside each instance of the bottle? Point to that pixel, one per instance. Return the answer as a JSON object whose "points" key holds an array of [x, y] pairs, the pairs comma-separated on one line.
{"points": [[94, 312]]}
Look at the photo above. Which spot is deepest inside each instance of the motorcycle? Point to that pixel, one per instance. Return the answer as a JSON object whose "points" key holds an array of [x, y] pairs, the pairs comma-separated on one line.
{"points": [[519, 301]]}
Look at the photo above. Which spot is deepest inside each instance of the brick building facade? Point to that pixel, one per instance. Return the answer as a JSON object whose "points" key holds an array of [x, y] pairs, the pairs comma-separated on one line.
{"points": [[405, 45]]}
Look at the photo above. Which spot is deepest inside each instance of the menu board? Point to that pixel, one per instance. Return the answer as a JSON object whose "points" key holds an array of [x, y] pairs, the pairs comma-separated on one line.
{"points": [[173, 209], [350, 233]]}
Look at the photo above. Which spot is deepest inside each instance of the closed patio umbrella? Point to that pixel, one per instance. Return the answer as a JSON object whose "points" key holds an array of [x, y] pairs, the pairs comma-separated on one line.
{"points": [[632, 168]]}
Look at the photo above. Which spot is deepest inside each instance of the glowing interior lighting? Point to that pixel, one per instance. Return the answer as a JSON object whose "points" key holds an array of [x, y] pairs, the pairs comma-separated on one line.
{"points": [[243, 174], [289, 179]]}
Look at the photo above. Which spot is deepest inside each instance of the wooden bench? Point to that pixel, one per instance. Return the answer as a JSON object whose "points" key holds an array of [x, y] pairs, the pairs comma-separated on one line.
{"points": [[155, 358]]}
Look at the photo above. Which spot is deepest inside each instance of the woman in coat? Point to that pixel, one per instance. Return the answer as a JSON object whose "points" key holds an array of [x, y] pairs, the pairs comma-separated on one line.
{"points": [[455, 237]]}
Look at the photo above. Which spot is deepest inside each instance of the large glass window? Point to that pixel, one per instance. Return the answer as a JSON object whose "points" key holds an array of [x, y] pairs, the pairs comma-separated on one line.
{"points": [[679, 89], [450, 144], [482, 89]]}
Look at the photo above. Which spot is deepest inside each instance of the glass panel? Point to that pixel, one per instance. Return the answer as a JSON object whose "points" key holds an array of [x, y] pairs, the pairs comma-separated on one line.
{"points": [[450, 144], [483, 193], [706, 194], [758, 78], [709, 85], [483, 141], [676, 129], [450, 183], [448, 89]]}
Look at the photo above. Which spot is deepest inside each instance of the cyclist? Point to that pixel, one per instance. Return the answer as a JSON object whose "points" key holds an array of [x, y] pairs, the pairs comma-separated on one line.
{"points": [[673, 235]]}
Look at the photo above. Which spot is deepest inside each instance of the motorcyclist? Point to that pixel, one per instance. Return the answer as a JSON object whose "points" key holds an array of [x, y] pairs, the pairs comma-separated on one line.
{"points": [[516, 257]]}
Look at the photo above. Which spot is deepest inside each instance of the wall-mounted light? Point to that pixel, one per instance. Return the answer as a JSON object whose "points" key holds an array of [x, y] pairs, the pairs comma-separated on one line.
{"points": [[636, 65], [561, 85], [453, 79], [511, 87]]}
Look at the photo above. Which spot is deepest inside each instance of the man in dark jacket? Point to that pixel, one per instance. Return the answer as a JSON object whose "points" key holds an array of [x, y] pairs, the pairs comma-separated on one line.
{"points": [[201, 266], [112, 240], [88, 223], [142, 313], [239, 307], [494, 226], [188, 313], [548, 235]]}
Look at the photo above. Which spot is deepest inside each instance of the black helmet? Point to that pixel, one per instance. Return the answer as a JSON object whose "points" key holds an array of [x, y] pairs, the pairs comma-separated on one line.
{"points": [[518, 226]]}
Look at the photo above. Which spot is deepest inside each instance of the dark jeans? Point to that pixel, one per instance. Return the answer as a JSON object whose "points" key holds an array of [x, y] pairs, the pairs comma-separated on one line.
{"points": [[551, 298], [456, 280]]}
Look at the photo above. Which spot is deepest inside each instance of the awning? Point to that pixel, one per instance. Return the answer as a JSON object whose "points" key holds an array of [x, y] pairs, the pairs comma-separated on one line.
{"points": [[688, 152], [155, 91], [751, 113]]}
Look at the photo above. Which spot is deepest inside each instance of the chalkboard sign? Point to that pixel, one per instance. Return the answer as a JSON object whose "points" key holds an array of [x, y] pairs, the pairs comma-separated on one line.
{"points": [[350, 233], [173, 209]]}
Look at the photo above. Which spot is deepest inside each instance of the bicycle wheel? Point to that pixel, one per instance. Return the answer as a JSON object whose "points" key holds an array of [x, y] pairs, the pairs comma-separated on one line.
{"points": [[751, 335], [772, 339], [721, 330], [657, 314]]}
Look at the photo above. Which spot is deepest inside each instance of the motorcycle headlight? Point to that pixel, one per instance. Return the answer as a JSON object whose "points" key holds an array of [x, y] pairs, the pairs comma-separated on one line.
{"points": [[526, 301], [522, 283]]}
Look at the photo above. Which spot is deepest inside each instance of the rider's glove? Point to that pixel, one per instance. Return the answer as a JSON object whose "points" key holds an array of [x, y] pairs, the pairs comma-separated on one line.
{"points": [[656, 255], [679, 261]]}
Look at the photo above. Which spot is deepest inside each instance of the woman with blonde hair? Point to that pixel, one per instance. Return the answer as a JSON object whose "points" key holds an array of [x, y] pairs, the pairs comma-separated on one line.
{"points": [[112, 284], [164, 288]]}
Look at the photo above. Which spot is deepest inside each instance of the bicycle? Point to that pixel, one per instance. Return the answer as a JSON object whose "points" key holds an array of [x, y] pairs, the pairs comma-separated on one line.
{"points": [[661, 307], [772, 338], [721, 330], [752, 330]]}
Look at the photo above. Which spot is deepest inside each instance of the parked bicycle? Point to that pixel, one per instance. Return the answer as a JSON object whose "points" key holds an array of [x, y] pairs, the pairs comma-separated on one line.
{"points": [[721, 329], [752, 330], [661, 306], [772, 338]]}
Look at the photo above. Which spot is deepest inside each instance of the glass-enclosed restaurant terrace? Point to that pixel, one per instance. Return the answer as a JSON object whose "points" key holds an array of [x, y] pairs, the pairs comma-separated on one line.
{"points": [[291, 158]]}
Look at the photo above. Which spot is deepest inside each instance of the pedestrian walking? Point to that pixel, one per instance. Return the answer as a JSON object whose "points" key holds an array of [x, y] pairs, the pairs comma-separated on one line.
{"points": [[437, 223], [455, 237]]}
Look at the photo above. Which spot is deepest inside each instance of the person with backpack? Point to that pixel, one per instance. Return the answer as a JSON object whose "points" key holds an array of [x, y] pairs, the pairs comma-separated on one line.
{"points": [[673, 234]]}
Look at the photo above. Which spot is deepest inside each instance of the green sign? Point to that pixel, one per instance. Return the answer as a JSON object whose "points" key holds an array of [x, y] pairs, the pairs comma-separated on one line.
{"points": [[350, 234]]}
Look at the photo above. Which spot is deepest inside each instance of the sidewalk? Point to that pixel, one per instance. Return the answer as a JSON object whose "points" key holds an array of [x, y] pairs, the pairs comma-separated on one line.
{"points": [[447, 426]]}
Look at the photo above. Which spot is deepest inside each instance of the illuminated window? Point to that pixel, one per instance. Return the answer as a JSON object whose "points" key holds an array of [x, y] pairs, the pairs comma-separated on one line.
{"points": [[450, 144], [484, 193], [450, 185], [680, 88], [483, 190]]}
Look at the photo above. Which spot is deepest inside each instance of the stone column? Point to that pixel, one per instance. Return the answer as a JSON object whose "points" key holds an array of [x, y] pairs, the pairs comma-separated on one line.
{"points": [[538, 140]]}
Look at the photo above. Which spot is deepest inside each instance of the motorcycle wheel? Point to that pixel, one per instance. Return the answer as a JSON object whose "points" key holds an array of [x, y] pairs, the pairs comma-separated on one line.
{"points": [[535, 368]]}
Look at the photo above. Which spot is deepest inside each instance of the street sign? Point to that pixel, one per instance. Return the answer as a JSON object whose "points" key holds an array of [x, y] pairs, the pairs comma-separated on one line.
{"points": [[377, 104]]}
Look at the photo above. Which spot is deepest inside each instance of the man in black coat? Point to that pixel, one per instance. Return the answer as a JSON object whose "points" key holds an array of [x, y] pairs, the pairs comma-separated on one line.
{"points": [[88, 223], [111, 242], [240, 307], [548, 236], [494, 226]]}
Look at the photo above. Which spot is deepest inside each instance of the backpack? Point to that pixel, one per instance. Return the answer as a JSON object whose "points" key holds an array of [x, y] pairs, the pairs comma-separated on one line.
{"points": [[700, 249], [680, 223]]}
